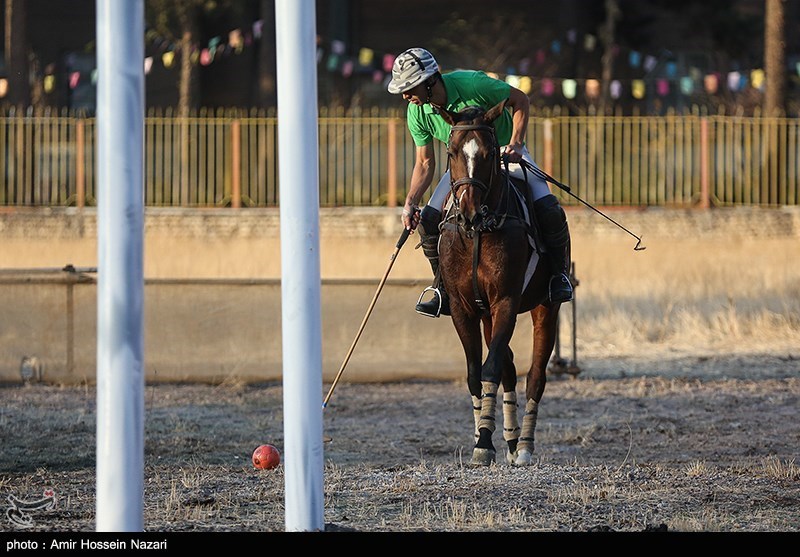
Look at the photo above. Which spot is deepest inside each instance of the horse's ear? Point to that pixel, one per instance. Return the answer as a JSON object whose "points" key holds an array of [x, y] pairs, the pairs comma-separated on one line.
{"points": [[496, 110], [447, 116]]}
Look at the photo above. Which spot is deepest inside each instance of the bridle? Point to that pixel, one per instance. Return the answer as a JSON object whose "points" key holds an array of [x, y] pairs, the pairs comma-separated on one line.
{"points": [[485, 220]]}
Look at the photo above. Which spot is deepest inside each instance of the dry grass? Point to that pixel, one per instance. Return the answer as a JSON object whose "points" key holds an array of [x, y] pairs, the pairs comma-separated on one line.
{"points": [[684, 417], [692, 296]]}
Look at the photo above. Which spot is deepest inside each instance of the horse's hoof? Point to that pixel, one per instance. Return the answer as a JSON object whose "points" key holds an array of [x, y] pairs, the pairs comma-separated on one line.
{"points": [[511, 458], [524, 458], [482, 457]]}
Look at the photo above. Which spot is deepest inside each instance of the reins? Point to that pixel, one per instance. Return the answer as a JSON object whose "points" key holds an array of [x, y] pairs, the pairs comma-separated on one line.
{"points": [[489, 219]]}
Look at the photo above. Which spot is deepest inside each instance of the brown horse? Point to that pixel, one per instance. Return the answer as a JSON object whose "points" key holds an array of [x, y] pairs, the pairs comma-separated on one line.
{"points": [[488, 258]]}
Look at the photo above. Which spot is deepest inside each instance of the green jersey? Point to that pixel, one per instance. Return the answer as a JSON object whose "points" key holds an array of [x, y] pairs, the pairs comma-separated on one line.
{"points": [[464, 88]]}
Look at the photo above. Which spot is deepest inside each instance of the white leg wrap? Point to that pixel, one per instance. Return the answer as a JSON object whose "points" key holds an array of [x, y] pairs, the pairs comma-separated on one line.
{"points": [[526, 439], [488, 406], [510, 420], [476, 414]]}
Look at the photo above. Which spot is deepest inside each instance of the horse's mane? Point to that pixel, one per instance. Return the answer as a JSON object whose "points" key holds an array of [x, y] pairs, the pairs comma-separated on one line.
{"points": [[471, 112]]}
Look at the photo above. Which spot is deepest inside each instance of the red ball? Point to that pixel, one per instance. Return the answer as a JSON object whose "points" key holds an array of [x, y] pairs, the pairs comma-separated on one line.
{"points": [[266, 457]]}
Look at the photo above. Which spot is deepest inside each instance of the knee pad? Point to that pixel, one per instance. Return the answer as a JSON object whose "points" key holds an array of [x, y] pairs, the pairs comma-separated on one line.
{"points": [[552, 220], [429, 220]]}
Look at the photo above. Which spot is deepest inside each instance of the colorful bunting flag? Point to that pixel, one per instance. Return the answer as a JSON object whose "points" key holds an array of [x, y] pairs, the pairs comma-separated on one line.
{"points": [[257, 28], [168, 58], [734, 79], [337, 47], [638, 89], [757, 78], [347, 68], [333, 62], [615, 88], [235, 40], [370, 64], [365, 56], [711, 83], [568, 88], [592, 88], [388, 62]]}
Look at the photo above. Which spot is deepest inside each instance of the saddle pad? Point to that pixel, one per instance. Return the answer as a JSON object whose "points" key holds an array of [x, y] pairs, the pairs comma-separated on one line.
{"points": [[534, 259]]}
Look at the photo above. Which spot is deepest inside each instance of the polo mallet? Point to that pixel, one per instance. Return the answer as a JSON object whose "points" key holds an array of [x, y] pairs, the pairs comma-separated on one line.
{"points": [[547, 178], [400, 242]]}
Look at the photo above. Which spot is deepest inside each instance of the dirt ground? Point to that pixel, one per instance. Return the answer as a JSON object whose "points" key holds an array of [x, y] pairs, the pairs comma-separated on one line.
{"points": [[686, 444]]}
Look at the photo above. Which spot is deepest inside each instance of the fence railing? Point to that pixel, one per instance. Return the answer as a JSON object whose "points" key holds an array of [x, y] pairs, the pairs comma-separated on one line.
{"points": [[670, 161]]}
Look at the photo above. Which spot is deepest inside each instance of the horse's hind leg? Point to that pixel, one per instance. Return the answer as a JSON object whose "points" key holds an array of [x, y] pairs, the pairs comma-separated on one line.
{"points": [[545, 321]]}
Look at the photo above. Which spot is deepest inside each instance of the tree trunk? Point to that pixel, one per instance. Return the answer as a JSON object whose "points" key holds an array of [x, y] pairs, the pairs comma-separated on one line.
{"points": [[186, 80], [607, 36], [184, 105], [16, 52], [774, 59], [267, 94]]}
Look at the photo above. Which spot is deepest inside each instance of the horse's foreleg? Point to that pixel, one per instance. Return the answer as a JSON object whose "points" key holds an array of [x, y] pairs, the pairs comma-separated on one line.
{"points": [[477, 393], [511, 430], [499, 365], [544, 334], [469, 332], [484, 452]]}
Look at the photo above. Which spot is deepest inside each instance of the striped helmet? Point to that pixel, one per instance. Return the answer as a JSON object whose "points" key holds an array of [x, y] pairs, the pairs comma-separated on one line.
{"points": [[411, 68]]}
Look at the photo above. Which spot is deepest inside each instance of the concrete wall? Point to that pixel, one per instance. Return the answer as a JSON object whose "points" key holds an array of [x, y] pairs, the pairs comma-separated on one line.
{"points": [[212, 306]]}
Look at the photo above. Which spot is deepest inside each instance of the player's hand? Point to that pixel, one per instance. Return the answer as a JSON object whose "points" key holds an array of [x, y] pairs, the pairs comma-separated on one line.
{"points": [[410, 216]]}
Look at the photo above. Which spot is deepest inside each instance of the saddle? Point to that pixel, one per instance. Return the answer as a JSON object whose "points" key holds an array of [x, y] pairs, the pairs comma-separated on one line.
{"points": [[519, 210]]}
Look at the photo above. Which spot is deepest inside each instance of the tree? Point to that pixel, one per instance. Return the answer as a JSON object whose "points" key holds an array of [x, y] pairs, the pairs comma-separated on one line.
{"points": [[774, 58], [16, 52], [608, 38], [176, 20], [266, 94]]}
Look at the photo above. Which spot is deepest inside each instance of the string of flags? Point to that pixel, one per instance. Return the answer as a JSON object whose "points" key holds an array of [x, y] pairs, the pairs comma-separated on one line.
{"points": [[367, 62]]}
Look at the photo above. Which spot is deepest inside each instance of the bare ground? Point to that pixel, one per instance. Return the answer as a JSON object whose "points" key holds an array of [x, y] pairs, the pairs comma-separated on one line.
{"points": [[687, 444]]}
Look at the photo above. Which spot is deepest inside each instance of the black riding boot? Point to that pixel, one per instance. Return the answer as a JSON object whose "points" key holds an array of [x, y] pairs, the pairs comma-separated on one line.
{"points": [[429, 235], [552, 222]]}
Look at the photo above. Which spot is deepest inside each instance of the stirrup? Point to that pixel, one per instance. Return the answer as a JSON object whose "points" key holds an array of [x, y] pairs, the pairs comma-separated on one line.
{"points": [[427, 311], [565, 294]]}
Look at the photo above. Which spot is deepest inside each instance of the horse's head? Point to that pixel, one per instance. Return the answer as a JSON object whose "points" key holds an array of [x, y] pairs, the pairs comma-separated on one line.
{"points": [[474, 161]]}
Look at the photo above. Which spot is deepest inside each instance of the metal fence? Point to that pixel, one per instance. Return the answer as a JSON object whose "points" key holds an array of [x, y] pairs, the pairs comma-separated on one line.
{"points": [[231, 159]]}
